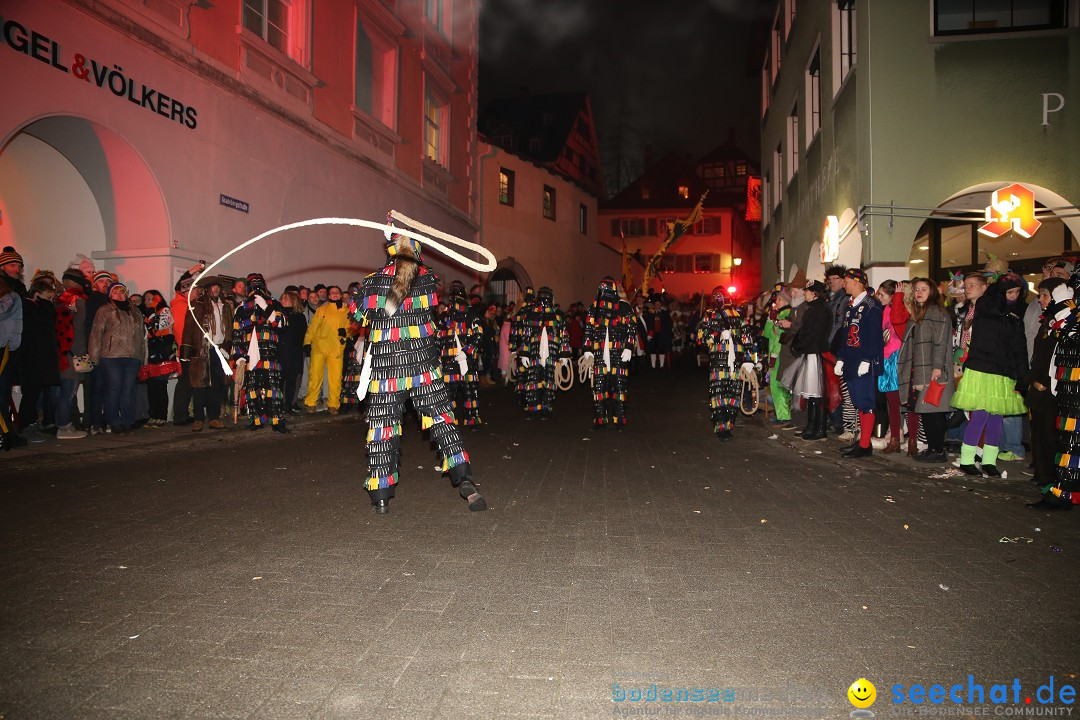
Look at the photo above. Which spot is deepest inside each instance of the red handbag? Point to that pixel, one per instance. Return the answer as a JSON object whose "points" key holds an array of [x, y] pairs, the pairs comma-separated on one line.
{"points": [[933, 393]]}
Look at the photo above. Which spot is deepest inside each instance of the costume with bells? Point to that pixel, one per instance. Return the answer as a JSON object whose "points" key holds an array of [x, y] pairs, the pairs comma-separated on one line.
{"points": [[517, 326], [1063, 492], [542, 342], [608, 345], [401, 363], [732, 349], [255, 343], [461, 336]]}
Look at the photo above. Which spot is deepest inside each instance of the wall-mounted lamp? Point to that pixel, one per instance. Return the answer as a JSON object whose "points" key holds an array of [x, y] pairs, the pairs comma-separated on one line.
{"points": [[737, 261]]}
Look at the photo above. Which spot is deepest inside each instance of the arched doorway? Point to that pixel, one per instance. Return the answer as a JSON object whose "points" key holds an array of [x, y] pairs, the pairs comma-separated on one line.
{"points": [[949, 241], [507, 282], [71, 186]]}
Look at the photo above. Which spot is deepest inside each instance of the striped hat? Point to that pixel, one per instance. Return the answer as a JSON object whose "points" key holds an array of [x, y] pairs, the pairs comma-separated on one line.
{"points": [[9, 256], [858, 275], [103, 275], [117, 284]]}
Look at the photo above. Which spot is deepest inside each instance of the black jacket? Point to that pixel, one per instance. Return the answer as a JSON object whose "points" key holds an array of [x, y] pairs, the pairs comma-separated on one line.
{"points": [[813, 335], [998, 346]]}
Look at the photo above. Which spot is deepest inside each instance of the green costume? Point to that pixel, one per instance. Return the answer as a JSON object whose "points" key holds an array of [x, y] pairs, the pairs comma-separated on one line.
{"points": [[780, 395]]}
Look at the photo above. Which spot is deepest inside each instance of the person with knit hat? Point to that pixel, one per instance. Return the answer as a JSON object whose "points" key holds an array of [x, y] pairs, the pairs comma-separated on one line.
{"points": [[10, 339], [1015, 288], [206, 332], [161, 361], [71, 344], [100, 281], [778, 309], [11, 270], [117, 345], [39, 363], [182, 393], [860, 358], [804, 377]]}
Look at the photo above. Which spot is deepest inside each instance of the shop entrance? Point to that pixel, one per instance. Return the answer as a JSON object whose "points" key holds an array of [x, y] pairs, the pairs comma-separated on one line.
{"points": [[949, 241]]}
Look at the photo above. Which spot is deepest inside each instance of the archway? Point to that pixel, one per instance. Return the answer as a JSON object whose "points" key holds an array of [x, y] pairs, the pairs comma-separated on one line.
{"points": [[69, 185], [949, 241], [507, 281]]}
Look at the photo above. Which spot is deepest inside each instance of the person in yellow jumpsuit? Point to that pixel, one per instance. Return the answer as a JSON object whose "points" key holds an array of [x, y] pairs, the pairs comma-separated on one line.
{"points": [[326, 336]]}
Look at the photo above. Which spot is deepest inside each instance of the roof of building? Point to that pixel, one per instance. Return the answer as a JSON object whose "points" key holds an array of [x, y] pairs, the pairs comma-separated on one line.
{"points": [[548, 118]]}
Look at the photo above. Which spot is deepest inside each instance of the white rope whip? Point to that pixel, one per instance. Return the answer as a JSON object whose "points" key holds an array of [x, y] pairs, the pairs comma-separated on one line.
{"points": [[386, 228]]}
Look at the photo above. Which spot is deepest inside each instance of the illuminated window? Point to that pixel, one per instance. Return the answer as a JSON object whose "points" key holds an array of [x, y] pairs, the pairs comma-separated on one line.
{"points": [[645, 193], [961, 17], [435, 115], [843, 24], [281, 23], [740, 169], [549, 202], [684, 192], [583, 219], [375, 75], [813, 96], [793, 142], [506, 186]]}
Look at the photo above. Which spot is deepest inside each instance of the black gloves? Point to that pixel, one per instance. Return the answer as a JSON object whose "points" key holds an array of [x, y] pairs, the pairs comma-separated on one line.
{"points": [[307, 351]]}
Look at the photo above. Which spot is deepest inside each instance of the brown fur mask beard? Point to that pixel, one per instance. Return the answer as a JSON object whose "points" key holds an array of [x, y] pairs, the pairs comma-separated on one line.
{"points": [[406, 267]]}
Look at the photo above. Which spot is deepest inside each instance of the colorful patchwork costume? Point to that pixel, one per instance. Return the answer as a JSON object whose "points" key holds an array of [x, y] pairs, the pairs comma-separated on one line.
{"points": [[255, 339], [401, 363], [731, 348], [1065, 380], [517, 324], [610, 337], [461, 337], [541, 342]]}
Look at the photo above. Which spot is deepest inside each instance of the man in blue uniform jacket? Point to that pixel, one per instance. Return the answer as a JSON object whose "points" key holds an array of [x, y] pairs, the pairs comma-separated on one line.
{"points": [[861, 356]]}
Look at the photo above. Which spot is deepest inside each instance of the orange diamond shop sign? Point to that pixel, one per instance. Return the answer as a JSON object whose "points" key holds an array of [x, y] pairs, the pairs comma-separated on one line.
{"points": [[1011, 208]]}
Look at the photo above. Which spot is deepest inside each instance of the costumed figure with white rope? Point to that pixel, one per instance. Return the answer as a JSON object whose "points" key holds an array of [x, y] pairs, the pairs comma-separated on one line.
{"points": [[610, 336], [732, 351], [402, 362], [542, 343], [1063, 492], [461, 337], [517, 326], [255, 345]]}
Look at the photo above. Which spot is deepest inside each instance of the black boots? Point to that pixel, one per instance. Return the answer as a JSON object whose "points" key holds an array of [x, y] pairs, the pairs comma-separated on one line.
{"points": [[817, 420], [461, 478], [1049, 503]]}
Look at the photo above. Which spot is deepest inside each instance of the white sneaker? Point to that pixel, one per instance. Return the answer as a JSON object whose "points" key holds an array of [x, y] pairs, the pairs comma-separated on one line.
{"points": [[68, 432], [846, 436]]}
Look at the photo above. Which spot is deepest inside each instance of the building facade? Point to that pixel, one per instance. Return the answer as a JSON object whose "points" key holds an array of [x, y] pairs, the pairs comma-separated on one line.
{"points": [[542, 227], [148, 134], [722, 249], [888, 127]]}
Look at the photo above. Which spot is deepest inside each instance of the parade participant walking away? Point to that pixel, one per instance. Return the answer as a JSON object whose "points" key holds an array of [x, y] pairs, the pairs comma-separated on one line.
{"points": [[161, 356], [894, 320], [1063, 492], [71, 344], [925, 371], [994, 366], [779, 309], [402, 363], [255, 343], [326, 338], [118, 346], [1054, 295], [542, 344], [517, 329], [860, 358], [209, 385], [805, 377], [460, 335], [731, 349], [608, 342], [658, 321]]}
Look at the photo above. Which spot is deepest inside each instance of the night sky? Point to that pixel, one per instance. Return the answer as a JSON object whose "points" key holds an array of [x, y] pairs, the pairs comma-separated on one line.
{"points": [[674, 74]]}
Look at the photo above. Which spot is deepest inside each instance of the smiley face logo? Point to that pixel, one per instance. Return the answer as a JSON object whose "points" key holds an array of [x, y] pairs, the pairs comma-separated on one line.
{"points": [[862, 693]]}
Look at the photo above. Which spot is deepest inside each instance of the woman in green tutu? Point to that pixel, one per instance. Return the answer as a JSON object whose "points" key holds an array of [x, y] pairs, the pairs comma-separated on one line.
{"points": [[993, 365]]}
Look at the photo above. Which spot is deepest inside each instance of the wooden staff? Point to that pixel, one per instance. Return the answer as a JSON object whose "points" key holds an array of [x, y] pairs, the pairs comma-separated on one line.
{"points": [[238, 389]]}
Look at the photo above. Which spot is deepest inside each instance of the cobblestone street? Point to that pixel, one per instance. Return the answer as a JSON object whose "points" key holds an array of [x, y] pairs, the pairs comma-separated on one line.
{"points": [[243, 575]]}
